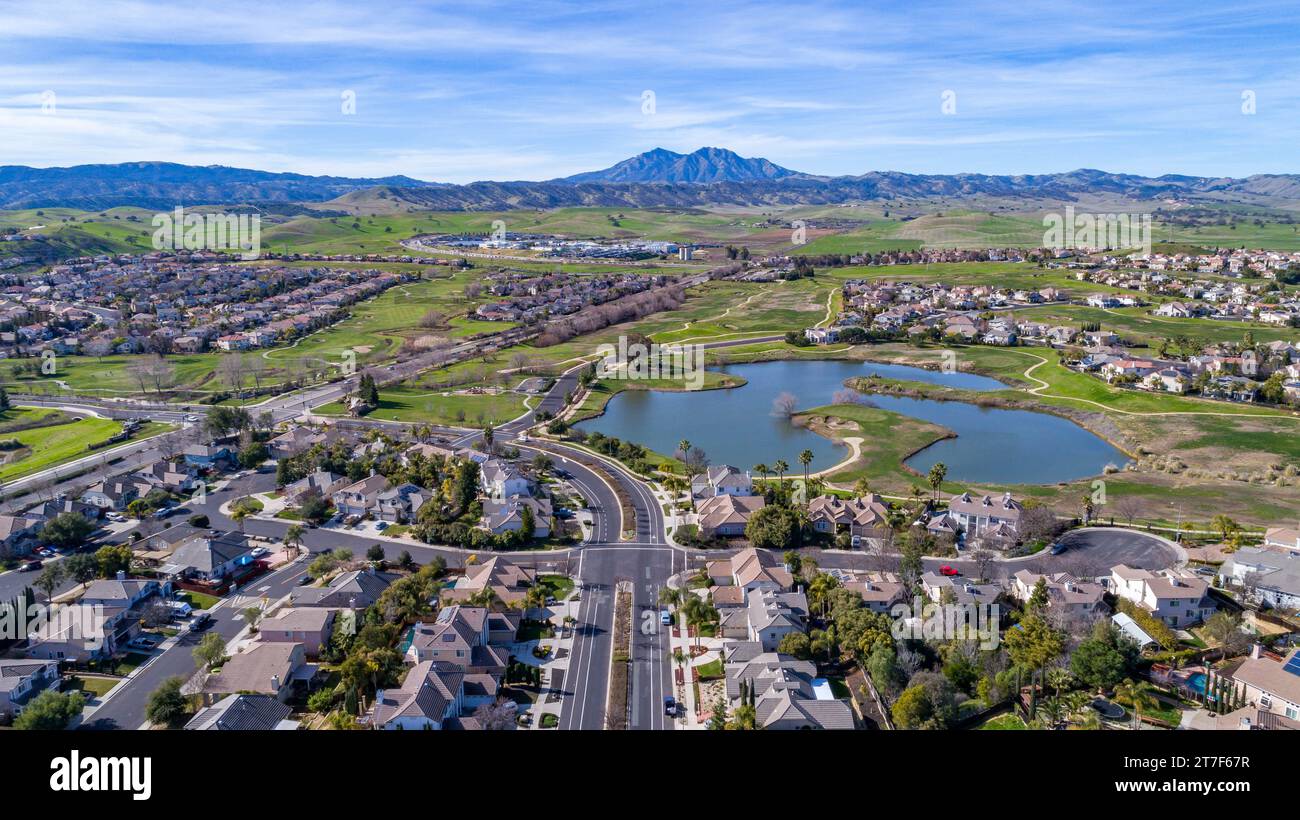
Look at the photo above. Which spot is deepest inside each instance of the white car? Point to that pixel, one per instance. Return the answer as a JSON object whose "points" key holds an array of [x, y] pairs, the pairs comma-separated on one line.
{"points": [[259, 552], [192, 418]]}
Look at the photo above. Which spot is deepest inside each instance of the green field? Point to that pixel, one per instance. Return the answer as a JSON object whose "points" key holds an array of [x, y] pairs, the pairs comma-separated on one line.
{"points": [[44, 447], [422, 407]]}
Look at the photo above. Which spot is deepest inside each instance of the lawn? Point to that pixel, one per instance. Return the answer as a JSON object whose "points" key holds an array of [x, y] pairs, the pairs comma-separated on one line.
{"points": [[200, 600], [94, 687], [710, 671], [438, 407], [43, 447], [557, 586], [1007, 722]]}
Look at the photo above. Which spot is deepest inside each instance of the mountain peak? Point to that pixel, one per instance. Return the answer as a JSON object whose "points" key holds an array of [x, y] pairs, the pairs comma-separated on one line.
{"points": [[703, 165]]}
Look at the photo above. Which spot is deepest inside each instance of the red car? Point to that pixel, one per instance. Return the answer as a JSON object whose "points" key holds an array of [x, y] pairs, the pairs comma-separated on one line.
{"points": [[947, 570]]}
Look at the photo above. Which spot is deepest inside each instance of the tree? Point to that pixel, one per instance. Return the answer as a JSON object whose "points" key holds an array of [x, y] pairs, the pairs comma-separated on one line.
{"points": [[293, 535], [773, 528], [784, 405], [796, 644], [166, 705], [805, 458], [1034, 643], [239, 513], [51, 711], [113, 559], [1224, 629], [67, 530], [82, 568], [49, 580], [375, 552], [935, 478], [1102, 660], [1137, 695], [210, 652], [253, 454], [1224, 526]]}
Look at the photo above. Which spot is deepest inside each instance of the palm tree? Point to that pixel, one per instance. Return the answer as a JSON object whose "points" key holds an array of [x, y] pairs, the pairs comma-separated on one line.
{"points": [[684, 447], [762, 469], [238, 514], [1053, 712], [805, 458], [670, 596], [937, 474], [779, 468], [293, 535], [1138, 695], [489, 435]]}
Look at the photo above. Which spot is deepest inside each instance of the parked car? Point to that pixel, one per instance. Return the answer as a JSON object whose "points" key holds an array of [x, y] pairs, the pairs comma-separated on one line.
{"points": [[258, 552], [665, 617], [30, 566], [381, 526], [948, 571], [670, 706], [142, 643]]}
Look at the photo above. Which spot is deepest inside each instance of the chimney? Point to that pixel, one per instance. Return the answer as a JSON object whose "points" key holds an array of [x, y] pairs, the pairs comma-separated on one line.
{"points": [[1256, 651], [121, 575], [379, 696], [275, 682]]}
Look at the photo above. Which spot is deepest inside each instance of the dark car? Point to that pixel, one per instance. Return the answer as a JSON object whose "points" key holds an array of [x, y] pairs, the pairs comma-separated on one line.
{"points": [[1059, 547], [305, 580], [31, 566], [670, 706], [201, 620]]}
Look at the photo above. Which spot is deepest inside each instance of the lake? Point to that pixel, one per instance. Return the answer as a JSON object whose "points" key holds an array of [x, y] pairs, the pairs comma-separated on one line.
{"points": [[736, 426]]}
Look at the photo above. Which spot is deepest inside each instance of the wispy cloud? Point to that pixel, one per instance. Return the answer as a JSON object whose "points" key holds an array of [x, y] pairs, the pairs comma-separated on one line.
{"points": [[506, 90]]}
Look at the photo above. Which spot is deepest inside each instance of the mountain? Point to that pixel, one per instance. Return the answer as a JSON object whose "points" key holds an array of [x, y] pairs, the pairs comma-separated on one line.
{"points": [[655, 179], [163, 185], [703, 166]]}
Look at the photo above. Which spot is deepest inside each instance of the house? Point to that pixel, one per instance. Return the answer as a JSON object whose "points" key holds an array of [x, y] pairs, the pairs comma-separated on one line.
{"points": [[208, 456], [879, 590], [18, 533], [1268, 576], [321, 482], [508, 582], [354, 590], [1287, 538], [359, 497], [751, 569], [1272, 684], [244, 713], [822, 335], [863, 518], [122, 592], [295, 440], [726, 515], [473, 639], [783, 692], [22, 680], [983, 516], [430, 696], [210, 556], [111, 495], [1065, 593], [309, 626], [958, 590], [1180, 598], [266, 668], [771, 615], [172, 476], [721, 480], [508, 515], [400, 504], [501, 480], [81, 633]]}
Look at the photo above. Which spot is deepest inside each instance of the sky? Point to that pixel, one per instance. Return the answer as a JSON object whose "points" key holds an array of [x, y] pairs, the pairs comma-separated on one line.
{"points": [[457, 92]]}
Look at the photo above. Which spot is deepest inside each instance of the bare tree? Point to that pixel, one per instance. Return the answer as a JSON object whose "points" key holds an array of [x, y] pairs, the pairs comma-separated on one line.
{"points": [[1127, 507], [784, 405], [230, 369]]}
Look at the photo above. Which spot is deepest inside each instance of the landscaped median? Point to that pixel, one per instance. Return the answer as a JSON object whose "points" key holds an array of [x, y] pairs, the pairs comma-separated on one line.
{"points": [[620, 663]]}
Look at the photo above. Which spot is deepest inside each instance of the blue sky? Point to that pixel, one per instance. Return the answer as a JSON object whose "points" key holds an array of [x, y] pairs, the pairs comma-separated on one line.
{"points": [[463, 91]]}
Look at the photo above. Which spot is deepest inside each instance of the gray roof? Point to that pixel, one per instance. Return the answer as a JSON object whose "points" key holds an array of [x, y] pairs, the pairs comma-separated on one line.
{"points": [[356, 590], [207, 551], [241, 713]]}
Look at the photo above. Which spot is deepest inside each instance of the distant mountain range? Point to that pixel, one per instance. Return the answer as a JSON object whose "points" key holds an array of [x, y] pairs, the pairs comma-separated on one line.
{"points": [[703, 166], [657, 178]]}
